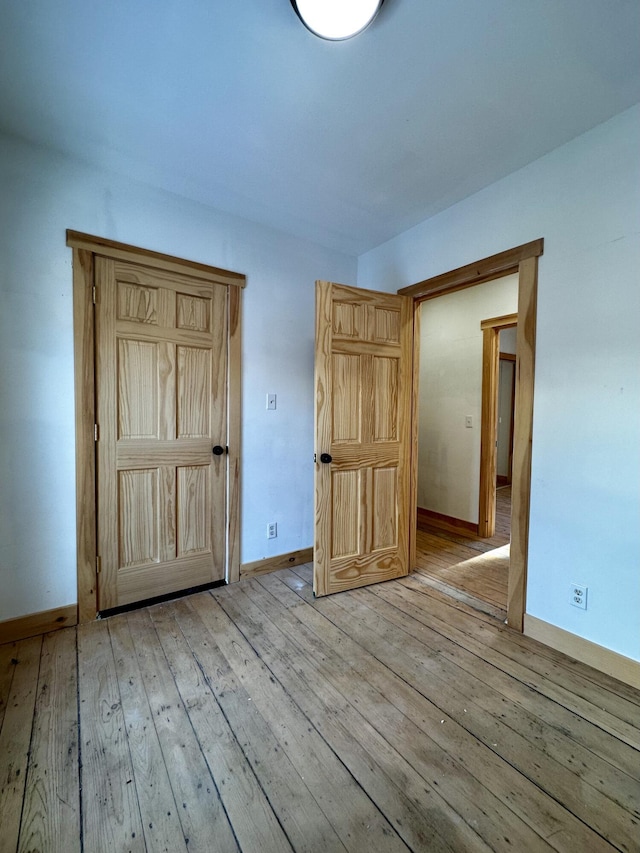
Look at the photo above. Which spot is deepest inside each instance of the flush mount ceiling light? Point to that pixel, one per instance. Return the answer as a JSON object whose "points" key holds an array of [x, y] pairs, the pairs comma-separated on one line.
{"points": [[336, 19]]}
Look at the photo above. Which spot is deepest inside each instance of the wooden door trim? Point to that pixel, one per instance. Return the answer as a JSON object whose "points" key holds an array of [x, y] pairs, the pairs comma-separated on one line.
{"points": [[488, 431], [413, 468], [85, 248], [506, 321], [234, 424], [489, 420], [132, 254], [524, 261], [85, 419], [487, 269], [522, 440]]}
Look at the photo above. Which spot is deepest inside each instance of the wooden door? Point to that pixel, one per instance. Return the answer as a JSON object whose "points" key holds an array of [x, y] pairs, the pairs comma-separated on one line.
{"points": [[363, 423], [161, 368]]}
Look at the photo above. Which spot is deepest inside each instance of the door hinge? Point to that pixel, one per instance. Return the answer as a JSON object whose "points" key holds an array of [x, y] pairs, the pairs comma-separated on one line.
{"points": [[94, 294], [98, 565], [96, 432]]}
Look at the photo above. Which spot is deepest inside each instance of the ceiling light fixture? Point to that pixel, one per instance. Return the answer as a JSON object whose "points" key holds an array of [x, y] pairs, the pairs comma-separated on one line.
{"points": [[336, 19]]}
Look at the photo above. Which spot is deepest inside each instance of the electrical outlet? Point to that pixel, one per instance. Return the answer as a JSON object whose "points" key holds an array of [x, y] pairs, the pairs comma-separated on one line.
{"points": [[272, 530], [579, 595]]}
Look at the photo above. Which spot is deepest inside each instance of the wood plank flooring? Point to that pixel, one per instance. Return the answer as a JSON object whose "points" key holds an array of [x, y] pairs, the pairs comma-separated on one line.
{"points": [[475, 570], [256, 718]]}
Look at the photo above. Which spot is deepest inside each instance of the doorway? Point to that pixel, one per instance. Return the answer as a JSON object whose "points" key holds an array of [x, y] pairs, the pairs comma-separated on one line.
{"points": [[494, 331], [169, 346], [522, 260], [506, 409], [457, 443]]}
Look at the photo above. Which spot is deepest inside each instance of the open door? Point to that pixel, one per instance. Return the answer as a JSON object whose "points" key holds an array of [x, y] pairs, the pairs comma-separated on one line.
{"points": [[363, 381]]}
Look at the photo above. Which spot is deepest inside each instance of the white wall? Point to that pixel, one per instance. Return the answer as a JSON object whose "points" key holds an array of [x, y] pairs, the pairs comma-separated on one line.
{"points": [[451, 390], [584, 199], [508, 339], [43, 195]]}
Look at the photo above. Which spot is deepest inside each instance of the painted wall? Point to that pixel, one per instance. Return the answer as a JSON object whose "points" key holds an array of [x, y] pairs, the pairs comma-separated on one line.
{"points": [[451, 391], [43, 195], [584, 199], [508, 339]]}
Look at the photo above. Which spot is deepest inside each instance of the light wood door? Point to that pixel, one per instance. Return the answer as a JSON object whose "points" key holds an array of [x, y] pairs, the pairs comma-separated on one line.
{"points": [[161, 368], [363, 422]]}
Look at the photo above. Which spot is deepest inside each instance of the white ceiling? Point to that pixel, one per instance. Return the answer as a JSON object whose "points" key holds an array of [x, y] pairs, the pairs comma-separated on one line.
{"points": [[235, 104]]}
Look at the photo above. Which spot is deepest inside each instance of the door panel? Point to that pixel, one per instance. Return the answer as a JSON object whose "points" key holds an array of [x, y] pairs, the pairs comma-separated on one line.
{"points": [[193, 392], [346, 527], [384, 499], [385, 381], [138, 501], [346, 383], [161, 403], [363, 420], [194, 510], [137, 368]]}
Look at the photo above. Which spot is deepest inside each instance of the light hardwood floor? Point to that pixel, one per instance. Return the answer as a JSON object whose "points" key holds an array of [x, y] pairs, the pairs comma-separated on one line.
{"points": [[256, 718], [475, 570]]}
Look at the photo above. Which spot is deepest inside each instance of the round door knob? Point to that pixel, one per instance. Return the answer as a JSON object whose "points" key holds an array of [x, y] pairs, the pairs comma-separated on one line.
{"points": [[326, 457], [218, 450]]}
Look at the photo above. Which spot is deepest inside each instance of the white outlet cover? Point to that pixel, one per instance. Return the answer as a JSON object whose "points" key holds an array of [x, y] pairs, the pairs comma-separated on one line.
{"points": [[578, 595]]}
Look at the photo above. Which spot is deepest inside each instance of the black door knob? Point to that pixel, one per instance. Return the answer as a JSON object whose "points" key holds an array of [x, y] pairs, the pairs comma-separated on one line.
{"points": [[218, 450], [326, 457]]}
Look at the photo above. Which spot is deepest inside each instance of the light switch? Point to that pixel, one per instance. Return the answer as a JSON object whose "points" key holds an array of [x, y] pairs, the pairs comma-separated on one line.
{"points": [[271, 402]]}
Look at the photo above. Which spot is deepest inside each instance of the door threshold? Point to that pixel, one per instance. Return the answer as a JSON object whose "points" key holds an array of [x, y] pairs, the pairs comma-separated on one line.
{"points": [[159, 599], [499, 613]]}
